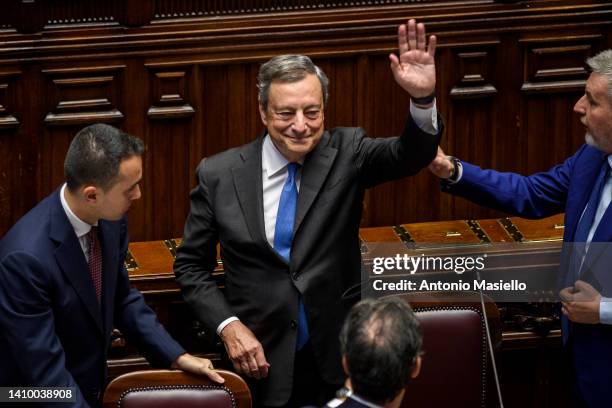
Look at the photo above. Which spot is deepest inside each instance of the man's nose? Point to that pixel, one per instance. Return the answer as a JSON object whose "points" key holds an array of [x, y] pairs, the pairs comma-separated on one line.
{"points": [[137, 194], [579, 106], [299, 123]]}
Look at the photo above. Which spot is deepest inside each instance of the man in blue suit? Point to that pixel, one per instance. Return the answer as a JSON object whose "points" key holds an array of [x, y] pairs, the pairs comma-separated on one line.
{"points": [[63, 284], [582, 188]]}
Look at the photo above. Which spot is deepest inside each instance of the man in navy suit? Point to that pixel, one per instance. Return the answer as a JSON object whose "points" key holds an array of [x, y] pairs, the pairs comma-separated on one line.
{"points": [[63, 284], [582, 188], [381, 346]]}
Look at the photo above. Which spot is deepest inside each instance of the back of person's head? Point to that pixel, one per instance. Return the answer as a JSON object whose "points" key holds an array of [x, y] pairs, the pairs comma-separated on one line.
{"points": [[95, 154], [287, 69], [380, 343]]}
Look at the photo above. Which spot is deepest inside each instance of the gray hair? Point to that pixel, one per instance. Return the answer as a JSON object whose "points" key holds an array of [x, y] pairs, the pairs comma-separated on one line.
{"points": [[381, 340], [95, 154], [288, 68], [602, 64]]}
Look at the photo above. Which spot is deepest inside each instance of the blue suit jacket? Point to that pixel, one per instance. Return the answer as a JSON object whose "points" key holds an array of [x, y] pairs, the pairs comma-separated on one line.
{"points": [[564, 188], [52, 330]]}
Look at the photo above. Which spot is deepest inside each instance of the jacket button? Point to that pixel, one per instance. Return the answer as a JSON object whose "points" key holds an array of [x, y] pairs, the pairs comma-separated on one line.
{"points": [[293, 324]]}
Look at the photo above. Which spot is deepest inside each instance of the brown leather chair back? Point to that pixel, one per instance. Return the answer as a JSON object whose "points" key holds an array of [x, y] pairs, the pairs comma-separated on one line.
{"points": [[170, 389], [455, 369]]}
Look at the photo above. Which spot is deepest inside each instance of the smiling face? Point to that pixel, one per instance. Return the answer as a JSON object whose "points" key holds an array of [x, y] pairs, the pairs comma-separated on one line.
{"points": [[294, 116], [595, 110]]}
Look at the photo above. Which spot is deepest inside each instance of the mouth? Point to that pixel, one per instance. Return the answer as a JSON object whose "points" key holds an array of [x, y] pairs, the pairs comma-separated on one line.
{"points": [[298, 139]]}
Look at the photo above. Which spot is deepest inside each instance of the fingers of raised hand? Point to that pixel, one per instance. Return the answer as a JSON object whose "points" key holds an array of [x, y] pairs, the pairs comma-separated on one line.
{"points": [[421, 38], [412, 34]]}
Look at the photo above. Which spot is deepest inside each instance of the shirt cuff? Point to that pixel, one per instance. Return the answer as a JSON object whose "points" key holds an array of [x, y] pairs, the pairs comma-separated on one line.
{"points": [[605, 311], [425, 119], [458, 173], [225, 323]]}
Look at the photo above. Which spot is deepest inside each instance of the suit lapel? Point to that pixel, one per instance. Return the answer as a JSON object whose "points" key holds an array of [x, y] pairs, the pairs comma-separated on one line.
{"points": [[316, 168], [249, 190], [600, 243], [71, 260], [585, 170]]}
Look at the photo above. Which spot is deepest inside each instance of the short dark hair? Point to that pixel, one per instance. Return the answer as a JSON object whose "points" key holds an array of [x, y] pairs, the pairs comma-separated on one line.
{"points": [[288, 68], [95, 154], [381, 340]]}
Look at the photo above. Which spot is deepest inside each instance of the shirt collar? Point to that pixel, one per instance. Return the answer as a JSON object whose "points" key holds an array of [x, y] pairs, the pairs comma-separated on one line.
{"points": [[364, 402], [80, 227], [272, 160], [610, 160]]}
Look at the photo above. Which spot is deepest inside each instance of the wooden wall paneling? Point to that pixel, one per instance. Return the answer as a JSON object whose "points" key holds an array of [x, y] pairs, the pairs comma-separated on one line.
{"points": [[169, 130], [169, 94], [341, 109], [65, 12], [84, 95], [7, 99], [554, 79], [401, 199], [226, 50], [135, 100], [240, 103], [214, 109], [13, 166], [472, 92]]}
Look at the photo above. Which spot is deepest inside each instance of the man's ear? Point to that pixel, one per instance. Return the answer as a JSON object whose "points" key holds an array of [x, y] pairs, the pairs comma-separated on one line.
{"points": [[90, 193], [264, 114], [417, 368]]}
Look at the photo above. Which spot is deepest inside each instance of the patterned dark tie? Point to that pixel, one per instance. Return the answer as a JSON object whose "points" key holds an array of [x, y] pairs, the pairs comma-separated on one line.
{"points": [[283, 237], [95, 261]]}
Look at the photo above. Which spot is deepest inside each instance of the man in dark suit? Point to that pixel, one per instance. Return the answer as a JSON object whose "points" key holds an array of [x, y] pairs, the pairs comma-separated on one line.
{"points": [[582, 188], [381, 344], [289, 257], [63, 284]]}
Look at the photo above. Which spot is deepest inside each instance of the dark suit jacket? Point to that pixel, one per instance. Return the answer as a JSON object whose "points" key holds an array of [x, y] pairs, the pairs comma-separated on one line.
{"points": [[261, 288], [52, 330], [566, 187]]}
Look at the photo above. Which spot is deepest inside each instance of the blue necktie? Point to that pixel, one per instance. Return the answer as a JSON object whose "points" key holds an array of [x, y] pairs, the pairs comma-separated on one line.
{"points": [[587, 219], [283, 237]]}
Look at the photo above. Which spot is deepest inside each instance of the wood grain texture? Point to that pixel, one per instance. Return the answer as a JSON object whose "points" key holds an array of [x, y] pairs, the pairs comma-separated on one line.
{"points": [[183, 79]]}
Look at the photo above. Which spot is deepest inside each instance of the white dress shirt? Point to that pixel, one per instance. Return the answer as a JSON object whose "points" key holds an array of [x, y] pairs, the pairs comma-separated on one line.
{"points": [[81, 228]]}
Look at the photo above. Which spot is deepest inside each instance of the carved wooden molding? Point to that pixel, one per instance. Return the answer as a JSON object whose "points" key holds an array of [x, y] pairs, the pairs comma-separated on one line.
{"points": [[557, 86], [336, 31], [169, 86], [475, 68], [7, 120], [84, 95], [557, 64]]}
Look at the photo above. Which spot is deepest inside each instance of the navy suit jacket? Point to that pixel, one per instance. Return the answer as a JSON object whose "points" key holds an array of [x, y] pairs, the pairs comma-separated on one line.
{"points": [[53, 332], [564, 188]]}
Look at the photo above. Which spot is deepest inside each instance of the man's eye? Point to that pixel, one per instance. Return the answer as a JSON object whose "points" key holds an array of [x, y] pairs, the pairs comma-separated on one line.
{"points": [[312, 114], [285, 115]]}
